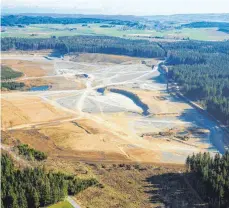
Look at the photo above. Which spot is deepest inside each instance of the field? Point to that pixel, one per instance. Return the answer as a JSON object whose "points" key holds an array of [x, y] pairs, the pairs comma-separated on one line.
{"points": [[48, 30]]}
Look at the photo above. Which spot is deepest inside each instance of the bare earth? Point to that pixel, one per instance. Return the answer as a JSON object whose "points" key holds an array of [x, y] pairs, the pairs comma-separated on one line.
{"points": [[81, 117]]}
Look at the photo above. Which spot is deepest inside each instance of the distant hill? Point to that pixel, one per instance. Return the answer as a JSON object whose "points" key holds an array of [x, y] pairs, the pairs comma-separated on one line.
{"points": [[96, 16], [182, 18], [207, 24]]}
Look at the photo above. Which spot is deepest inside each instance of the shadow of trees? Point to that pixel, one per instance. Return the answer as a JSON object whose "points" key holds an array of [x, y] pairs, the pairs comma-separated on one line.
{"points": [[171, 190]]}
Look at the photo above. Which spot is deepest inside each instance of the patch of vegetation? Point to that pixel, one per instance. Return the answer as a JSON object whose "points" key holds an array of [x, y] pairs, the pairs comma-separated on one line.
{"points": [[64, 204], [31, 153], [210, 177], [8, 73], [36, 187], [12, 85]]}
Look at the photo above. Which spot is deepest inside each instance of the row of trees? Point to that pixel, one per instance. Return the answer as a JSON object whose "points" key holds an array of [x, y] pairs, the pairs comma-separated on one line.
{"points": [[203, 75], [210, 177], [35, 187]]}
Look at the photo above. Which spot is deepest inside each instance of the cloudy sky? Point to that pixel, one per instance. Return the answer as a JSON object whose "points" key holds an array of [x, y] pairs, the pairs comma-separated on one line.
{"points": [[133, 7]]}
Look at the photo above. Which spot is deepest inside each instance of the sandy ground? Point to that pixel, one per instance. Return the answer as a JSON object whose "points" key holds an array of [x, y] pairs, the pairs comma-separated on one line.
{"points": [[83, 119], [21, 110], [29, 68]]}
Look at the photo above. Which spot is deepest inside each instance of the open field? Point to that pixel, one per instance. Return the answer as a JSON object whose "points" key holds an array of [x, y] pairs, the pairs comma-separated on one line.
{"points": [[48, 30], [104, 108]]}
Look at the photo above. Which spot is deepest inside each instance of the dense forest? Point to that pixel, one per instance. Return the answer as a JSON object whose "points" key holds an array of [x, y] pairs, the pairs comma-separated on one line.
{"points": [[35, 187], [210, 177], [21, 20], [90, 44], [203, 75]]}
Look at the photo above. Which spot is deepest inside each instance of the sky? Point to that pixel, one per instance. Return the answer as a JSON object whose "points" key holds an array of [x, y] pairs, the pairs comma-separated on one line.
{"points": [[116, 7]]}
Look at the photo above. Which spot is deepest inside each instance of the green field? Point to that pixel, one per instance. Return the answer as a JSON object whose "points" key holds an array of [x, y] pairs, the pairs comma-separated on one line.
{"points": [[64, 204], [48, 30]]}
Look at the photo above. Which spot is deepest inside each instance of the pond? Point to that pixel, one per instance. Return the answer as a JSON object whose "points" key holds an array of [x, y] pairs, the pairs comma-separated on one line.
{"points": [[39, 88], [101, 90]]}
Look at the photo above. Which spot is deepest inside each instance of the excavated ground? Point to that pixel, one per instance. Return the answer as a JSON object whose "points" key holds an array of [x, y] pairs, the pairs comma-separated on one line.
{"points": [[103, 108]]}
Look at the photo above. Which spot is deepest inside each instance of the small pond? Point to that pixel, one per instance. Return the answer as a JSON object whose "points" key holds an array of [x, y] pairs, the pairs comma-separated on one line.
{"points": [[39, 88]]}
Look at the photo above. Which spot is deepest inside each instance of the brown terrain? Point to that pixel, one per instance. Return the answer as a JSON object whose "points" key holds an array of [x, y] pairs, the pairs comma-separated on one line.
{"points": [[137, 159]]}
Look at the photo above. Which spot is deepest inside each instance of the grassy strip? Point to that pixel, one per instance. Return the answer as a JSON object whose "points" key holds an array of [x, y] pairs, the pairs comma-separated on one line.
{"points": [[63, 204]]}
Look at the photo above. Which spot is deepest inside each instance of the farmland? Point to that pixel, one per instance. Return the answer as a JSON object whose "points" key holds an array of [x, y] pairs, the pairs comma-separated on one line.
{"points": [[48, 30]]}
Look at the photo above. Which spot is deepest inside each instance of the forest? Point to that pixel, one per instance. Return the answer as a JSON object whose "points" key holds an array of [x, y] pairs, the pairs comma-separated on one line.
{"points": [[210, 177], [89, 44], [203, 76], [35, 187]]}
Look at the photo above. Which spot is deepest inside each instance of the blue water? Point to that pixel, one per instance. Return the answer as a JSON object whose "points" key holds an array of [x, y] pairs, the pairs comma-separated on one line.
{"points": [[101, 90], [39, 88]]}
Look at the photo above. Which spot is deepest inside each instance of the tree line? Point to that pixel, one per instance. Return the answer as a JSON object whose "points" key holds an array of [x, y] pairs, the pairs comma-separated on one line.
{"points": [[22, 20], [89, 44], [210, 177], [35, 187], [206, 24]]}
